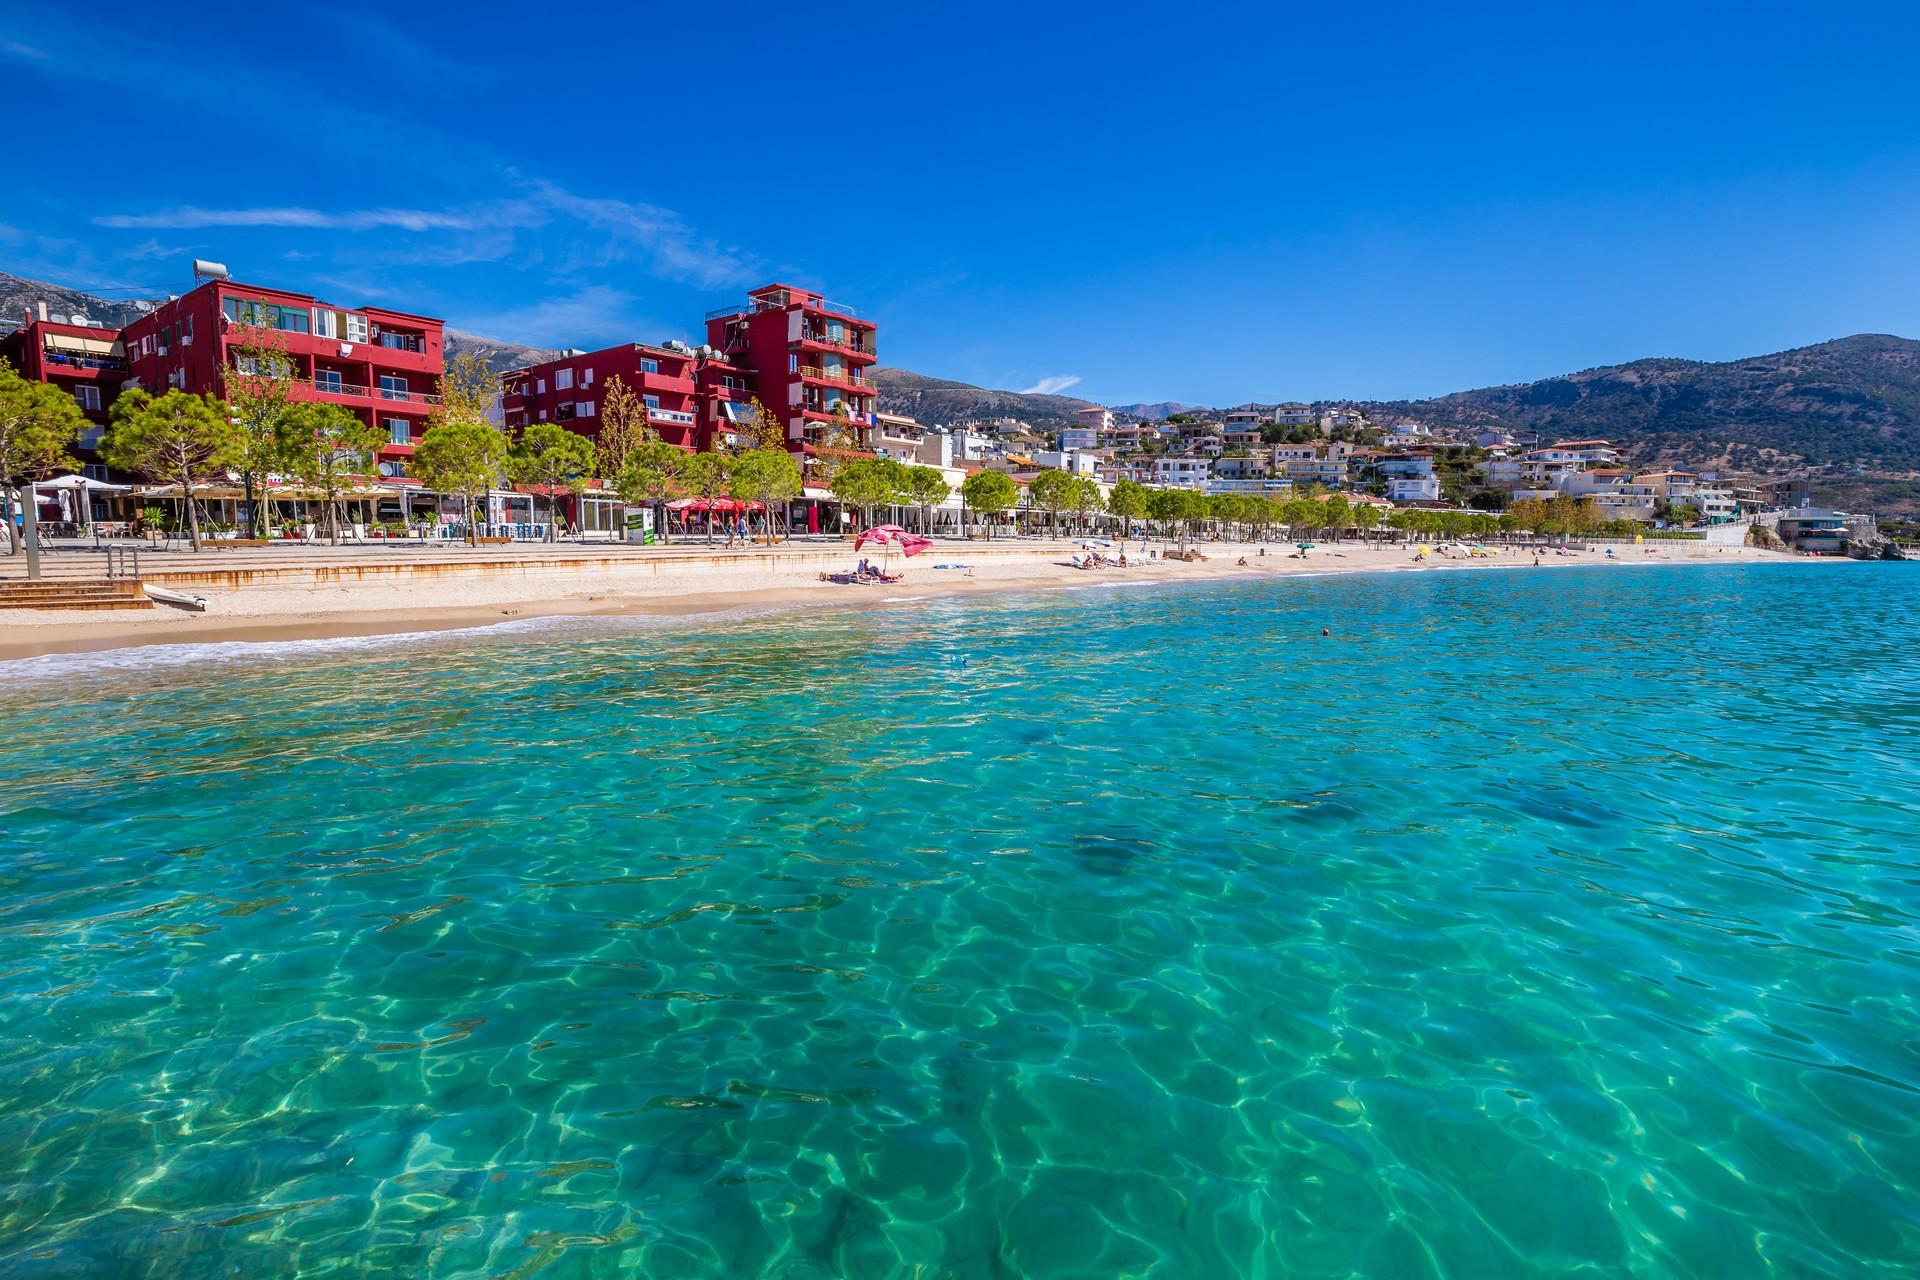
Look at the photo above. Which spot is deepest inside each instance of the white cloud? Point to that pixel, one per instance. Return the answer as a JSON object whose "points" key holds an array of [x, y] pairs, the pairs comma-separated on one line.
{"points": [[596, 313], [650, 233], [191, 218], [1052, 386], [600, 233], [19, 50]]}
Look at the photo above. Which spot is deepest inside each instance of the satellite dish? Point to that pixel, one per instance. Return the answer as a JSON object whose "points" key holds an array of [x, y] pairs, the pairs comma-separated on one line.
{"points": [[142, 306], [81, 319], [205, 270], [389, 469]]}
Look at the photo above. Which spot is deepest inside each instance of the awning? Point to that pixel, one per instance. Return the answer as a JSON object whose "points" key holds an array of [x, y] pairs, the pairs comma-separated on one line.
{"points": [[735, 412], [86, 346], [83, 482]]}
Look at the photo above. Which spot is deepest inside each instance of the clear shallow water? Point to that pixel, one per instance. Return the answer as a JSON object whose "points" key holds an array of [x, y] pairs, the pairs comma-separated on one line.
{"points": [[1537, 924]]}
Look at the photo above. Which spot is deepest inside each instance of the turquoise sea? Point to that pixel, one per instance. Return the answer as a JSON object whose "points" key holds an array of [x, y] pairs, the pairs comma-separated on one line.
{"points": [[1541, 923]]}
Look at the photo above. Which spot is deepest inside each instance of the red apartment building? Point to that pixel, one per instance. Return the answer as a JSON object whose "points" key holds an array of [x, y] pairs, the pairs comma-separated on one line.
{"points": [[571, 389], [382, 366], [85, 361], [803, 357], [808, 357]]}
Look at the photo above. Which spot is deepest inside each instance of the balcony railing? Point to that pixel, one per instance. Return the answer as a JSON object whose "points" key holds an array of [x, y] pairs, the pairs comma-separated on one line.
{"points": [[845, 342], [677, 416], [86, 362], [846, 376], [390, 395]]}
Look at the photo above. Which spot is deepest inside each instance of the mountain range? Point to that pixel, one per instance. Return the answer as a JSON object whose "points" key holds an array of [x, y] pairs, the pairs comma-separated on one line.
{"points": [[1845, 412]]}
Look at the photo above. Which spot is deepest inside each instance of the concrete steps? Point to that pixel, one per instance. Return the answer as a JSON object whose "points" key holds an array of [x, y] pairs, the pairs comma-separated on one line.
{"points": [[74, 593]]}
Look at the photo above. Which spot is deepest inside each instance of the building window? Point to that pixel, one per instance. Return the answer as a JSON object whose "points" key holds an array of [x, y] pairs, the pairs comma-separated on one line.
{"points": [[653, 402], [327, 380], [563, 411], [586, 377], [649, 366], [586, 408], [399, 431], [540, 388], [356, 328], [89, 398], [186, 330], [393, 387], [326, 324], [563, 379]]}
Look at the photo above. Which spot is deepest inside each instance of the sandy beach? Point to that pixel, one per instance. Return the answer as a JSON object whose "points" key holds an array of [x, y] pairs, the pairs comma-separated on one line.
{"points": [[309, 593]]}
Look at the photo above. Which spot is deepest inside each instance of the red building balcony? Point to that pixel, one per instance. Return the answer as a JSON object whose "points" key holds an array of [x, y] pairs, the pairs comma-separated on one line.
{"points": [[855, 345]]}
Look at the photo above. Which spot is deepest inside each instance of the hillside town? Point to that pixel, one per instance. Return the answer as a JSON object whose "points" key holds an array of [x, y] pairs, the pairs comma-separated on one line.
{"points": [[785, 369]]}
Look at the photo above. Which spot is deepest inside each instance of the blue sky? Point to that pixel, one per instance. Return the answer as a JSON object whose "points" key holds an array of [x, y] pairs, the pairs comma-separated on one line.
{"points": [[1127, 202]]}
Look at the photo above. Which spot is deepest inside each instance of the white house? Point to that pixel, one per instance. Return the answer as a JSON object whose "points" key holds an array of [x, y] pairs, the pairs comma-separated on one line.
{"points": [[1414, 488], [1717, 506], [1079, 462], [1182, 473], [1080, 436], [1254, 466], [1587, 453], [1292, 415], [1404, 435], [1095, 417]]}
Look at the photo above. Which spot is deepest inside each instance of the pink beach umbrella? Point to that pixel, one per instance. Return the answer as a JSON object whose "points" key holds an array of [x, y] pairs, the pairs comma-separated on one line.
{"points": [[892, 535]]}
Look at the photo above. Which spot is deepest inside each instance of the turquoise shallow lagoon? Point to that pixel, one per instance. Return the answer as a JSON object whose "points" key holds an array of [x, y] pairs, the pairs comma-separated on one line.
{"points": [[1542, 923]]}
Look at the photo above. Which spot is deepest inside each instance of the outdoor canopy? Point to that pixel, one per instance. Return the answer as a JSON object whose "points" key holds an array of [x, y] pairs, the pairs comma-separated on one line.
{"points": [[892, 535], [88, 483], [713, 504]]}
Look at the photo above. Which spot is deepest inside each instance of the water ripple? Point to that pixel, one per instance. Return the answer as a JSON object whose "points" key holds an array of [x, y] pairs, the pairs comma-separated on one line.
{"points": [[1506, 934]]}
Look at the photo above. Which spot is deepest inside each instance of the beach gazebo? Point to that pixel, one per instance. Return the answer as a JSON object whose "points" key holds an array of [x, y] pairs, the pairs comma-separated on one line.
{"points": [[76, 494]]}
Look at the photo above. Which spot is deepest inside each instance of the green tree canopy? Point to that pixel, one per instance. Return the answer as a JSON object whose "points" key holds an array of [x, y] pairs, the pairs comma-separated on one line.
{"points": [[769, 476], [989, 492], [1087, 498], [1051, 491], [326, 449], [38, 424], [651, 472], [550, 457], [704, 475], [260, 393], [177, 439], [1128, 500], [873, 482], [927, 489], [463, 456]]}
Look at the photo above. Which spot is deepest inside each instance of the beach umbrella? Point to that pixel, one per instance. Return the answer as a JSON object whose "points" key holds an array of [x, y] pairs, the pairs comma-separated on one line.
{"points": [[890, 536]]}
